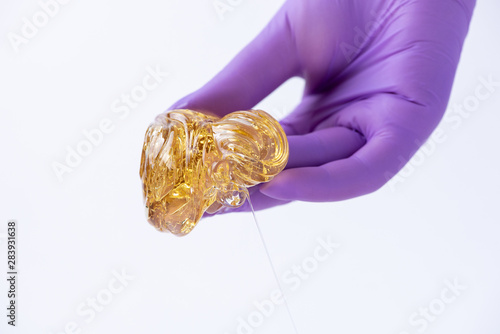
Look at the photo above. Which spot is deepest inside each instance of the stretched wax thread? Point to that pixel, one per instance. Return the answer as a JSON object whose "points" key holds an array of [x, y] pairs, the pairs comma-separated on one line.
{"points": [[292, 321]]}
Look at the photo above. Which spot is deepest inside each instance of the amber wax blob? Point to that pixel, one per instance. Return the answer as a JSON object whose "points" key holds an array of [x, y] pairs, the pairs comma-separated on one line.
{"points": [[192, 162]]}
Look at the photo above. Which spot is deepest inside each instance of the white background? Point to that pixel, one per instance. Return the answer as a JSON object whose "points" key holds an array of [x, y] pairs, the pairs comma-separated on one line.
{"points": [[398, 246]]}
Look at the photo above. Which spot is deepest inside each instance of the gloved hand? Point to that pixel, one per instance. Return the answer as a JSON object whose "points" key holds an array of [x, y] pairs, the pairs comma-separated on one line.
{"points": [[378, 75]]}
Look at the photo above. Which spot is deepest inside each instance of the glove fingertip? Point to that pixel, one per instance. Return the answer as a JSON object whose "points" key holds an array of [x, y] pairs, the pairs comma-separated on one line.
{"points": [[279, 189]]}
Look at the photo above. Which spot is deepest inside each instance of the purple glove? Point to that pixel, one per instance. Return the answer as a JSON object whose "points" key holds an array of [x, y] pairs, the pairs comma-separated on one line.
{"points": [[378, 78]]}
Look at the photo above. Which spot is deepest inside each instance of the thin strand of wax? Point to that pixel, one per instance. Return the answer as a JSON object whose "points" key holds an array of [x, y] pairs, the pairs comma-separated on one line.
{"points": [[272, 267]]}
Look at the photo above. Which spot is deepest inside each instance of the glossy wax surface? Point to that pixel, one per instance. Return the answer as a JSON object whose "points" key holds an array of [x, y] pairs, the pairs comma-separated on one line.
{"points": [[192, 162]]}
